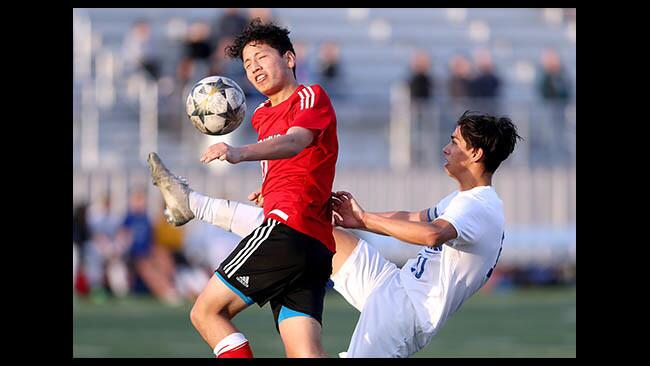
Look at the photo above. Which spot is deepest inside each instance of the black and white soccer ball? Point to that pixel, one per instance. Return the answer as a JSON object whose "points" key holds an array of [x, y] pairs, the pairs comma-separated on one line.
{"points": [[216, 105]]}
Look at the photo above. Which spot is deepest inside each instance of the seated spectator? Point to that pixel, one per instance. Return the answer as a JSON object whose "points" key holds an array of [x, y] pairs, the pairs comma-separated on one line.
{"points": [[80, 241], [329, 68], [137, 230], [104, 257]]}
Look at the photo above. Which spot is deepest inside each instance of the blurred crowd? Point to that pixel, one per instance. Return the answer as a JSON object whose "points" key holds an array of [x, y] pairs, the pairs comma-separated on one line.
{"points": [[475, 83], [135, 254], [202, 53], [115, 256], [470, 81], [204, 42]]}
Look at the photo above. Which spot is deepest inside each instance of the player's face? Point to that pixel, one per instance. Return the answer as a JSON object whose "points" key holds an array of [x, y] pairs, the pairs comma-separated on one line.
{"points": [[266, 69], [457, 154]]}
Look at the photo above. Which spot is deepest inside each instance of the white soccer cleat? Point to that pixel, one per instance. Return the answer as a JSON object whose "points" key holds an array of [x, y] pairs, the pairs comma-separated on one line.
{"points": [[175, 192]]}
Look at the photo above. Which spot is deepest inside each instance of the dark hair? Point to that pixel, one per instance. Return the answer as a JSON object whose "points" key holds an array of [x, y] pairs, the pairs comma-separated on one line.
{"points": [[269, 34], [496, 136]]}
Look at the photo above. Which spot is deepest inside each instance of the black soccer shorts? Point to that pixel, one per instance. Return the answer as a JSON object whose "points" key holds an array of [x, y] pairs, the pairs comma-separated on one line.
{"points": [[284, 266]]}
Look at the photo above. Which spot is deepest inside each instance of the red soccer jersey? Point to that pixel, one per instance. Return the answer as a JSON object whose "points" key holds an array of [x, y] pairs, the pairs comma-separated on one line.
{"points": [[297, 190]]}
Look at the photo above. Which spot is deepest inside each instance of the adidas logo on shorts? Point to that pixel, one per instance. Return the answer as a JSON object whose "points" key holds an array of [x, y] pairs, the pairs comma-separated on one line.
{"points": [[243, 280]]}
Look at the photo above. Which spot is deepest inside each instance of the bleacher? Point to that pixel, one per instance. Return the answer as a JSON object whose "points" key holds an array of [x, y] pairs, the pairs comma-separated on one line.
{"points": [[376, 45]]}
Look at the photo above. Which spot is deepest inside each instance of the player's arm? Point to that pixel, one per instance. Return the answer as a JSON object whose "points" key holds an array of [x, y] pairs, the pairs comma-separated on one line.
{"points": [[422, 233], [281, 147], [417, 216], [348, 213]]}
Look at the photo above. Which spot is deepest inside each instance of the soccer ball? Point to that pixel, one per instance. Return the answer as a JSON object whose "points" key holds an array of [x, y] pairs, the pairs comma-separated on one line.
{"points": [[216, 105]]}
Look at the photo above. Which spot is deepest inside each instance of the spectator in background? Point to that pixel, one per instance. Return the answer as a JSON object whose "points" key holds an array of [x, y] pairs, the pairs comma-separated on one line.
{"points": [[329, 68], [137, 230], [104, 258], [139, 50], [460, 71], [168, 256], [197, 51], [80, 241], [421, 82], [486, 84], [230, 23], [554, 85], [265, 14], [554, 88], [205, 247], [80, 228], [458, 90], [304, 68]]}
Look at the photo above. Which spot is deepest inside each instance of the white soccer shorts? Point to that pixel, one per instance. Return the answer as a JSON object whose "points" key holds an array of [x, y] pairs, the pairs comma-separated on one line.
{"points": [[387, 325]]}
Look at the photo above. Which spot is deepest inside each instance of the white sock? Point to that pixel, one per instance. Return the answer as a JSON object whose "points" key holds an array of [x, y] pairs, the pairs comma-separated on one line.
{"points": [[245, 219], [230, 342], [239, 218]]}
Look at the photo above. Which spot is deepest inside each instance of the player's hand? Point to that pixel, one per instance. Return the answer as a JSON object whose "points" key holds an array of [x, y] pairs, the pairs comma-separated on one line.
{"points": [[257, 198], [222, 151], [346, 211]]}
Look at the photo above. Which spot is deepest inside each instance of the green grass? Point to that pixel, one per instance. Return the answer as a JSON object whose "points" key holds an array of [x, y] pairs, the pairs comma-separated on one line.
{"points": [[522, 323]]}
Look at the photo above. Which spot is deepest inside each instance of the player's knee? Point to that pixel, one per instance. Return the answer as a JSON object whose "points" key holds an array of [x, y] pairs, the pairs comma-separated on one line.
{"points": [[201, 311], [196, 315]]}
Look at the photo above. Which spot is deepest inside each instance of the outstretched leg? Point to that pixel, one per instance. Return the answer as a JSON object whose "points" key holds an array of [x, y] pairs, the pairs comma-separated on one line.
{"points": [[183, 204]]}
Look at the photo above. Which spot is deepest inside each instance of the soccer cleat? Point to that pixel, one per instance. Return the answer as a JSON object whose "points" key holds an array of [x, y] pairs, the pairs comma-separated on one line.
{"points": [[175, 192]]}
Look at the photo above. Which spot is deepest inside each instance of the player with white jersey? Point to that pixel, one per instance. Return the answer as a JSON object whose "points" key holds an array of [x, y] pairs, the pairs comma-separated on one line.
{"points": [[432, 286], [460, 239]]}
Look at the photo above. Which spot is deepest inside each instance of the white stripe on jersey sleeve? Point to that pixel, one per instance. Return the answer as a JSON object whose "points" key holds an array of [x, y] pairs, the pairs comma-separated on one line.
{"points": [[313, 96], [302, 100], [307, 97]]}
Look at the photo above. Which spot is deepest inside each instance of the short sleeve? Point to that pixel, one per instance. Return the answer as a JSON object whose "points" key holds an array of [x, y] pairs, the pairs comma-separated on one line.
{"points": [[467, 216], [315, 110]]}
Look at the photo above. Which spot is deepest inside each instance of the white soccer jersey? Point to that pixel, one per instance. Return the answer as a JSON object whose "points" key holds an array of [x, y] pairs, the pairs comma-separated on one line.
{"points": [[428, 288], [439, 280]]}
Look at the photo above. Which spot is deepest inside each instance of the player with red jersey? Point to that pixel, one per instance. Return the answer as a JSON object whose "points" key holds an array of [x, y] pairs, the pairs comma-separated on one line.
{"points": [[287, 260]]}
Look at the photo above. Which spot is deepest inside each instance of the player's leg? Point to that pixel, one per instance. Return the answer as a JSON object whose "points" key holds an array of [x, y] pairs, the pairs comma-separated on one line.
{"points": [[236, 217], [369, 282], [211, 315], [301, 336], [242, 278], [387, 326], [394, 250], [255, 271], [357, 268], [298, 310], [183, 204]]}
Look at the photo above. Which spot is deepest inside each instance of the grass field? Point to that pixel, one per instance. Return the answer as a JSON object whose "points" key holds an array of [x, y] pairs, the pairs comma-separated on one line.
{"points": [[520, 323]]}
